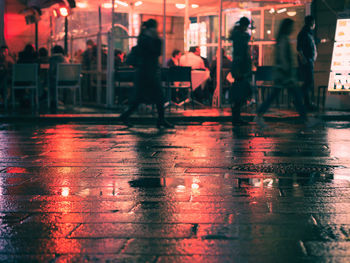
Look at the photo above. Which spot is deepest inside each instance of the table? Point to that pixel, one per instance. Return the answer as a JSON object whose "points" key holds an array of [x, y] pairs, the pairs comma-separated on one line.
{"points": [[199, 78]]}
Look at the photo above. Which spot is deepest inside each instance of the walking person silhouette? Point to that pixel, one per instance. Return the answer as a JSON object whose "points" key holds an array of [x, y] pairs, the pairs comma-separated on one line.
{"points": [[284, 76], [148, 87], [241, 68]]}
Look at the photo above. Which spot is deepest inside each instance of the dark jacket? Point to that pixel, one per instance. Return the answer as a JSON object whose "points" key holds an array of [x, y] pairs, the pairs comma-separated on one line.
{"points": [[242, 64], [148, 79], [306, 44]]}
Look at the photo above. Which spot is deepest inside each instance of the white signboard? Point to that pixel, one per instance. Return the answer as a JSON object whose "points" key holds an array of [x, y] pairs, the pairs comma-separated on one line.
{"points": [[339, 79]]}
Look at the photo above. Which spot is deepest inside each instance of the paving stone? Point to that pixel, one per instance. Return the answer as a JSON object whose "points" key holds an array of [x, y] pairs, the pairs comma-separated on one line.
{"points": [[197, 193], [127, 230]]}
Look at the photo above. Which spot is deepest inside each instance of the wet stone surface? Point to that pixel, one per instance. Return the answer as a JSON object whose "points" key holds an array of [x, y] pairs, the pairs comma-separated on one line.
{"points": [[197, 193]]}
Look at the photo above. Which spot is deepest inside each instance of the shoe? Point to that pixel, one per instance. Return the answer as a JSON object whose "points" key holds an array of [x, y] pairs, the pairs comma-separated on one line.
{"points": [[260, 122], [125, 121], [164, 124], [312, 122]]}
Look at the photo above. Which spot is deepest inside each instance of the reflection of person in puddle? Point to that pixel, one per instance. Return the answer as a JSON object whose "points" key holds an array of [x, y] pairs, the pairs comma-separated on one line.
{"points": [[150, 193]]}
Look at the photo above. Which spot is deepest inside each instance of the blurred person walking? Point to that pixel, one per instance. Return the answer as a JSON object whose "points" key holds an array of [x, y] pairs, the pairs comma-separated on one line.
{"points": [[148, 76], [241, 69], [284, 75], [307, 54]]}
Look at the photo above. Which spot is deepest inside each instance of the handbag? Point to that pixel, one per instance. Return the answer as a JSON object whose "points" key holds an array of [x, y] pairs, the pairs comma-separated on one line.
{"points": [[133, 58]]}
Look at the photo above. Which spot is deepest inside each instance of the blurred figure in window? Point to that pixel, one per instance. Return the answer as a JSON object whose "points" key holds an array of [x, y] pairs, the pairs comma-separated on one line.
{"points": [[119, 58], [241, 68], [175, 59], [6, 62], [226, 65], [89, 63], [198, 53], [78, 56], [43, 56]]}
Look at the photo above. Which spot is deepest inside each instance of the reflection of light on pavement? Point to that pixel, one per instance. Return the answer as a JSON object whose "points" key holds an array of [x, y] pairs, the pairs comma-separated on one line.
{"points": [[180, 188], [65, 191], [338, 142], [195, 186]]}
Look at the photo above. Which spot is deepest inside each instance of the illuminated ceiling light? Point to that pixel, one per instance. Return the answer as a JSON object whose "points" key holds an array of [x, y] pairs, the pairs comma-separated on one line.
{"points": [[63, 11], [281, 10], [194, 6], [180, 6], [272, 10], [268, 32], [82, 5], [291, 13], [138, 3], [108, 5], [121, 3]]}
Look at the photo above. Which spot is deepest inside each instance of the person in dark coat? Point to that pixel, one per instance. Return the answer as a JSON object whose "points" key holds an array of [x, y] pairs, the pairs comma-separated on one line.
{"points": [[307, 54], [148, 79], [241, 68]]}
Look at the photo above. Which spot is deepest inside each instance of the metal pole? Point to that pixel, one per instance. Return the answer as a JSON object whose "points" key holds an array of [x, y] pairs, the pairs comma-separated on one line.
{"points": [[36, 35], [186, 46], [66, 35], [2, 22], [51, 34], [219, 59], [164, 33], [110, 65], [99, 57]]}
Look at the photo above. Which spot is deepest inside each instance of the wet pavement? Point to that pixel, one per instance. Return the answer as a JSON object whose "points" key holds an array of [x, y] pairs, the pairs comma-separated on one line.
{"points": [[203, 192]]}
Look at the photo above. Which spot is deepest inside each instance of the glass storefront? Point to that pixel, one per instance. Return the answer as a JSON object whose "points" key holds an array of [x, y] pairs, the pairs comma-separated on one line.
{"points": [[266, 20]]}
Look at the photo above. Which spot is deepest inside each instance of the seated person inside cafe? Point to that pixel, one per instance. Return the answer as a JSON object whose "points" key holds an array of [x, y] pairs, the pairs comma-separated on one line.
{"points": [[179, 94], [193, 60], [175, 59], [226, 63]]}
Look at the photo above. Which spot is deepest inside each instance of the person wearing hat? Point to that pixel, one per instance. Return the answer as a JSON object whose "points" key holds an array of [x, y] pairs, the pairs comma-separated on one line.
{"points": [[241, 68]]}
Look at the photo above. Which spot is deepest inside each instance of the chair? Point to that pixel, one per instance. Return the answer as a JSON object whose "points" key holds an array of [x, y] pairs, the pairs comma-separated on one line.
{"points": [[68, 77], [180, 78], [44, 81], [25, 76], [263, 81], [124, 79]]}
